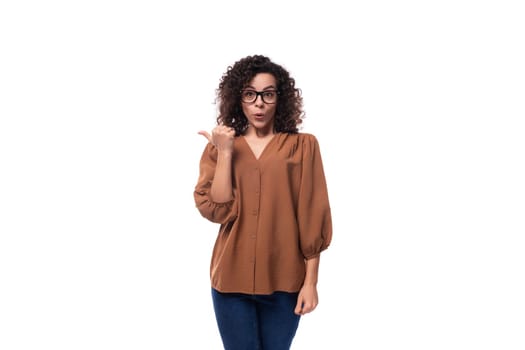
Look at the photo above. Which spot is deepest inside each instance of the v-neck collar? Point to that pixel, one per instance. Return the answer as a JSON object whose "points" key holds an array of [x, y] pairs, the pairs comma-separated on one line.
{"points": [[264, 149]]}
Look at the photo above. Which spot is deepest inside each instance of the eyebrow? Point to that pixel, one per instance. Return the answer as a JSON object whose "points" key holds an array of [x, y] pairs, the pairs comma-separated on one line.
{"points": [[266, 88]]}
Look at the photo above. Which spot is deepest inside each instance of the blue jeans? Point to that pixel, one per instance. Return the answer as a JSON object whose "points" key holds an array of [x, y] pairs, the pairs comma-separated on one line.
{"points": [[256, 322]]}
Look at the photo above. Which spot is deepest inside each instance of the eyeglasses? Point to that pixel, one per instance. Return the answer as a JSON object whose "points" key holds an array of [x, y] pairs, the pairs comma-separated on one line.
{"points": [[268, 96]]}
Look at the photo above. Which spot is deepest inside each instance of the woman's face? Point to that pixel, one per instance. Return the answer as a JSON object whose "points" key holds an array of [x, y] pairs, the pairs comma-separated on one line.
{"points": [[259, 101]]}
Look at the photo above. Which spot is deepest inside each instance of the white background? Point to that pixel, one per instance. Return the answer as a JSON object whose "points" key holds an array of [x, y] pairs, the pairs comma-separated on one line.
{"points": [[418, 107]]}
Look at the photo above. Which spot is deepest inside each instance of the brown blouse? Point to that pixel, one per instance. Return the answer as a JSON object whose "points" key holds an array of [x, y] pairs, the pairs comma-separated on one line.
{"points": [[279, 216]]}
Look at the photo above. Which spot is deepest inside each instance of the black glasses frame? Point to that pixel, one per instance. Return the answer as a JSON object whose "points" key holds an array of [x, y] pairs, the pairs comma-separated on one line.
{"points": [[259, 93]]}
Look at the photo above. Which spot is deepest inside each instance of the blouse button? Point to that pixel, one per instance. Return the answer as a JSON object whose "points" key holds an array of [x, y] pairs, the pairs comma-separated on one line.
{"points": [[254, 212]]}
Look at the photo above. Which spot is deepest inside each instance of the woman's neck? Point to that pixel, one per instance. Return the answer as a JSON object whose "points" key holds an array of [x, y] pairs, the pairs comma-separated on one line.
{"points": [[259, 133]]}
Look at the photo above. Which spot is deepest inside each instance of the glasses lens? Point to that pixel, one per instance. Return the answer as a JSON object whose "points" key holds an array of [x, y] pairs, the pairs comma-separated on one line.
{"points": [[248, 95], [269, 96]]}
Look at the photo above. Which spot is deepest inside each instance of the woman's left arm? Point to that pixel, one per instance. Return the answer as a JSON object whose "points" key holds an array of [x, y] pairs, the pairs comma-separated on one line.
{"points": [[307, 300]]}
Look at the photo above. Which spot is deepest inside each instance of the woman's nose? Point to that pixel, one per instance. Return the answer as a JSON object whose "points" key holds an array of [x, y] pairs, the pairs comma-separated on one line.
{"points": [[259, 101]]}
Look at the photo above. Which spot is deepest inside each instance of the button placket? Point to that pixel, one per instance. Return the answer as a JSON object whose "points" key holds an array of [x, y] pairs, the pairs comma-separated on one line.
{"points": [[255, 216]]}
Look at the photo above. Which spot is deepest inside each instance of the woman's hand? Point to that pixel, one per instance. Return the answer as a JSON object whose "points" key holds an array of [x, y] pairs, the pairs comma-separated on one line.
{"points": [[221, 137], [307, 300]]}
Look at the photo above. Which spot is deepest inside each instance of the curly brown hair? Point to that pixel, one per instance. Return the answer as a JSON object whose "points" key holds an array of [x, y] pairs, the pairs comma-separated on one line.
{"points": [[289, 110]]}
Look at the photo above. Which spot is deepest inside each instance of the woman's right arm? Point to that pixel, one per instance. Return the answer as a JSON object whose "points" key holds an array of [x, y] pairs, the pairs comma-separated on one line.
{"points": [[222, 138]]}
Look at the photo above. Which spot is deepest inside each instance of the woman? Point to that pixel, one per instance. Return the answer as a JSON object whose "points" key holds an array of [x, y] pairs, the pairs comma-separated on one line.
{"points": [[263, 182]]}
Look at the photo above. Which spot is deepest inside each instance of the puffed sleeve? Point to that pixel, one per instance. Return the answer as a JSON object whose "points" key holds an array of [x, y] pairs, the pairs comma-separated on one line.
{"points": [[215, 212], [313, 214]]}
